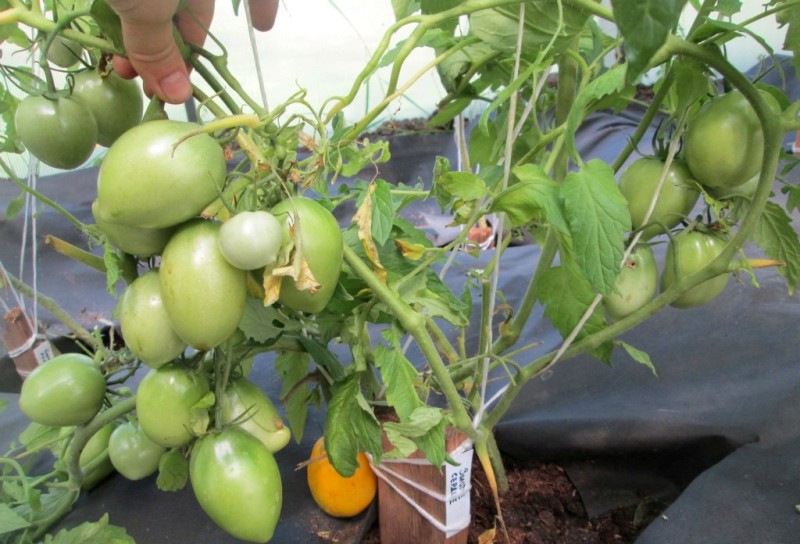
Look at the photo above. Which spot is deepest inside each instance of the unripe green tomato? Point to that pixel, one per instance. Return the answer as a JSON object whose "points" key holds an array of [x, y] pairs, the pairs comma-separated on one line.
{"points": [[150, 180], [146, 329], [676, 199], [251, 240], [66, 390], [115, 103], [692, 251], [237, 483], [247, 406], [724, 143], [136, 241], [132, 453], [95, 452], [204, 295], [322, 249], [61, 133], [63, 52], [165, 404], [636, 284]]}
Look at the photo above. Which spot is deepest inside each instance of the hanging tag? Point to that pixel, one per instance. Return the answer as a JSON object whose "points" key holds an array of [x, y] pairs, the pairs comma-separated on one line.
{"points": [[457, 498]]}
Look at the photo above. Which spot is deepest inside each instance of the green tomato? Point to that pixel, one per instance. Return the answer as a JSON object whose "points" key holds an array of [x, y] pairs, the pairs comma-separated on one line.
{"points": [[63, 52], [251, 240], [61, 133], [132, 453], [139, 242], [95, 457], [237, 483], [66, 390], [688, 252], [247, 406], [148, 180], [636, 284], [745, 190], [724, 143], [145, 326], [204, 295], [316, 228], [165, 404], [115, 103], [676, 199]]}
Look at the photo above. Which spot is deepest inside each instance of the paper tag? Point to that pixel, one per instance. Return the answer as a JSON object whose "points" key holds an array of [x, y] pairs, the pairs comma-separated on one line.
{"points": [[43, 352], [457, 494]]}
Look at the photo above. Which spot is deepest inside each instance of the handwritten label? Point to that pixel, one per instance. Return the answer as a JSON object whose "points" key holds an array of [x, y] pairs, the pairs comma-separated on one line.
{"points": [[43, 352], [458, 481]]}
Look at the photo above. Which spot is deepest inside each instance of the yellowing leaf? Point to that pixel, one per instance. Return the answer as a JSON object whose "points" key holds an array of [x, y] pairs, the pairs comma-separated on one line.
{"points": [[363, 218], [410, 250]]}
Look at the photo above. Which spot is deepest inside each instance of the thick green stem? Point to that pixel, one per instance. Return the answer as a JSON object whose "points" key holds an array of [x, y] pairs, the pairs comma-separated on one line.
{"points": [[83, 434], [414, 323]]}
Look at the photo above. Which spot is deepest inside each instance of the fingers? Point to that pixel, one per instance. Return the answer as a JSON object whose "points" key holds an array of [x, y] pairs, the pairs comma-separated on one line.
{"points": [[262, 13]]}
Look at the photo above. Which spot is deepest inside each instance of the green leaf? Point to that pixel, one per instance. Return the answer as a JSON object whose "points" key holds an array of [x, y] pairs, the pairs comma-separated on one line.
{"points": [[404, 8], [36, 436], [461, 185], [99, 532], [262, 323], [645, 25], [398, 376], [108, 21], [173, 471], [598, 219], [638, 355], [533, 199], [15, 206], [610, 82], [776, 236], [200, 416], [382, 212], [10, 521], [566, 296], [350, 427], [323, 357], [292, 368]]}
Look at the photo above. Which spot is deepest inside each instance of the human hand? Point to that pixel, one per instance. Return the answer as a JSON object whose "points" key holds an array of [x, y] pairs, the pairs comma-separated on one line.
{"points": [[147, 27]]}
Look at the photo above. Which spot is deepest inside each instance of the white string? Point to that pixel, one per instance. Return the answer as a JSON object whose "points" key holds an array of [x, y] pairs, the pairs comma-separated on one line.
{"points": [[254, 49]]}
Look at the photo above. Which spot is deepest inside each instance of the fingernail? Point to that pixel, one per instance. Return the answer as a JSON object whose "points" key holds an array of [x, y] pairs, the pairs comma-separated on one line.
{"points": [[176, 87]]}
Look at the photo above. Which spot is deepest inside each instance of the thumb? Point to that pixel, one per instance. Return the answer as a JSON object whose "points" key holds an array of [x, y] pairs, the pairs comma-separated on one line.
{"points": [[154, 55]]}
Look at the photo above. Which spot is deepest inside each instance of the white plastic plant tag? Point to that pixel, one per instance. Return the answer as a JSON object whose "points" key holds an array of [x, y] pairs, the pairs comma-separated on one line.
{"points": [[457, 495], [43, 352]]}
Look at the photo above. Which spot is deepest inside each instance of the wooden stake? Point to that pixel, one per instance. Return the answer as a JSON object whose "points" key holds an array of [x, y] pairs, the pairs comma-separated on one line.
{"points": [[17, 334]]}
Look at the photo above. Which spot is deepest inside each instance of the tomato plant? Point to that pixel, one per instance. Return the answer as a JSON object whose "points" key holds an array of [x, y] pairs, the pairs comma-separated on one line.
{"points": [[67, 390], [316, 237], [151, 179], [144, 323], [60, 132], [237, 483], [677, 196], [115, 103], [251, 240], [690, 251], [354, 270], [169, 405], [133, 454], [636, 284], [203, 295]]}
